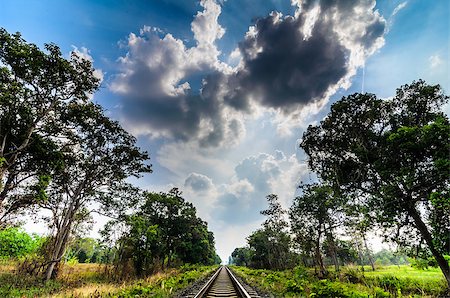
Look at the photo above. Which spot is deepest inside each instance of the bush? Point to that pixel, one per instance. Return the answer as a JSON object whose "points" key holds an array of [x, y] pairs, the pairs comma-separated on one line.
{"points": [[422, 263], [294, 286], [380, 293], [325, 288], [351, 275], [15, 243]]}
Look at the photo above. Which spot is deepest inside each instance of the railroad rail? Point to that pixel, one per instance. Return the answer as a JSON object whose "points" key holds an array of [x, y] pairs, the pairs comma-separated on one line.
{"points": [[224, 284]]}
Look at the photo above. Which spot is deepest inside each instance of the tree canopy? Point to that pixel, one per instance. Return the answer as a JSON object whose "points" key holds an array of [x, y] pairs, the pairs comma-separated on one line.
{"points": [[36, 88], [391, 155], [164, 231], [58, 150]]}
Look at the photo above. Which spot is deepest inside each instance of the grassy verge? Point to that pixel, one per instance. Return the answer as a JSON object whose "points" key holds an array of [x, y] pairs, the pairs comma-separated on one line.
{"points": [[390, 281], [90, 280]]}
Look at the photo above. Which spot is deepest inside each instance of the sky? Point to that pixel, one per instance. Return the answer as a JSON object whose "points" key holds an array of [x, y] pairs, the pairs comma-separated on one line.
{"points": [[219, 92]]}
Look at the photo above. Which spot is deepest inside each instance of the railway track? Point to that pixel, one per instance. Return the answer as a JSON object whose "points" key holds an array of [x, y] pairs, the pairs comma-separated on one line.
{"points": [[224, 284]]}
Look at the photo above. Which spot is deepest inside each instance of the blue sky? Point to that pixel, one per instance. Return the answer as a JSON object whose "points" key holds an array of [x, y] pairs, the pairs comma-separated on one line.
{"points": [[219, 92]]}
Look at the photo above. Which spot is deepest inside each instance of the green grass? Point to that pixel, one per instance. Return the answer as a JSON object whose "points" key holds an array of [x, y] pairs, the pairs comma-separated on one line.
{"points": [[389, 281], [406, 279], [406, 271]]}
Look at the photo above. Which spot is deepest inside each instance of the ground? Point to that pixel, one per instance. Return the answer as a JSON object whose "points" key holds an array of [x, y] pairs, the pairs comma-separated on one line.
{"points": [[94, 280]]}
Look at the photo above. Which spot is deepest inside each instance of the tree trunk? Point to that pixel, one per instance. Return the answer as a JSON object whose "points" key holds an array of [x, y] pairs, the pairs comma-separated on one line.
{"points": [[368, 253], [420, 225], [333, 250], [62, 235], [59, 249], [358, 247], [319, 259]]}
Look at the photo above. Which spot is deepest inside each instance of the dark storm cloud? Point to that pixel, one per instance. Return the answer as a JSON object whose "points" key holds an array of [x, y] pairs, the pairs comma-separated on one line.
{"points": [[178, 116], [288, 70], [283, 68]]}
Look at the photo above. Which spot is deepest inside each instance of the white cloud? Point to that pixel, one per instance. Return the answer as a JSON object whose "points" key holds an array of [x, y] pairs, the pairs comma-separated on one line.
{"points": [[156, 95], [399, 7], [435, 61], [184, 158], [198, 182]]}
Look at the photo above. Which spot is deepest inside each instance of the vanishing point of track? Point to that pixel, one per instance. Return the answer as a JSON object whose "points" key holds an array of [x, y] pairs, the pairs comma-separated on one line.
{"points": [[224, 284]]}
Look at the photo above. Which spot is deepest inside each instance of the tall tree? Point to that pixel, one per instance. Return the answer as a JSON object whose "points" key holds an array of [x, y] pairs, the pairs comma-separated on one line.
{"points": [[35, 88], [394, 153], [314, 217], [270, 246], [98, 156]]}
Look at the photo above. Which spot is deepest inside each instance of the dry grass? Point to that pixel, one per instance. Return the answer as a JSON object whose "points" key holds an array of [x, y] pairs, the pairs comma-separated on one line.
{"points": [[7, 266], [94, 280], [82, 272]]}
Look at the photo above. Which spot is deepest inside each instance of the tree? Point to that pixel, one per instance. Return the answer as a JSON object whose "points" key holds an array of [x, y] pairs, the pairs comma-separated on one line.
{"points": [[98, 156], [271, 245], [314, 216], [85, 250], [345, 251], [394, 154], [241, 256], [164, 231], [35, 88]]}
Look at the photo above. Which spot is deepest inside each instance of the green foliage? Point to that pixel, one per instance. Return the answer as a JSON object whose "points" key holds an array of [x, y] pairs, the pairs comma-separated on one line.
{"points": [[391, 281], [389, 159], [15, 243], [270, 246], [36, 87], [241, 256], [329, 289], [425, 263], [87, 250], [20, 286], [41, 186], [386, 257], [165, 232]]}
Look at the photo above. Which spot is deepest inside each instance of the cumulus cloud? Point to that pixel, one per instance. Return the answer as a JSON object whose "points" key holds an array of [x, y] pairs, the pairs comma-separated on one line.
{"points": [[198, 182], [287, 64], [254, 178], [292, 61], [157, 99]]}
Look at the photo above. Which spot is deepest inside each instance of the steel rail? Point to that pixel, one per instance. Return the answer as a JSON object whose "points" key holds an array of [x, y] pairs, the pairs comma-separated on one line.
{"points": [[208, 285], [222, 284], [237, 284]]}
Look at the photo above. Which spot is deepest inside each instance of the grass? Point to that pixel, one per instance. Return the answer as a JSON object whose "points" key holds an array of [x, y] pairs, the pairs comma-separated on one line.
{"points": [[92, 280], [389, 281], [406, 279], [406, 271]]}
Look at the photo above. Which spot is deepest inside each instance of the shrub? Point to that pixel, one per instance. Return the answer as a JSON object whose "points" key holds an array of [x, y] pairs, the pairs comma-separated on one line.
{"points": [[380, 293], [293, 286], [390, 283], [325, 289], [351, 275], [15, 243]]}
